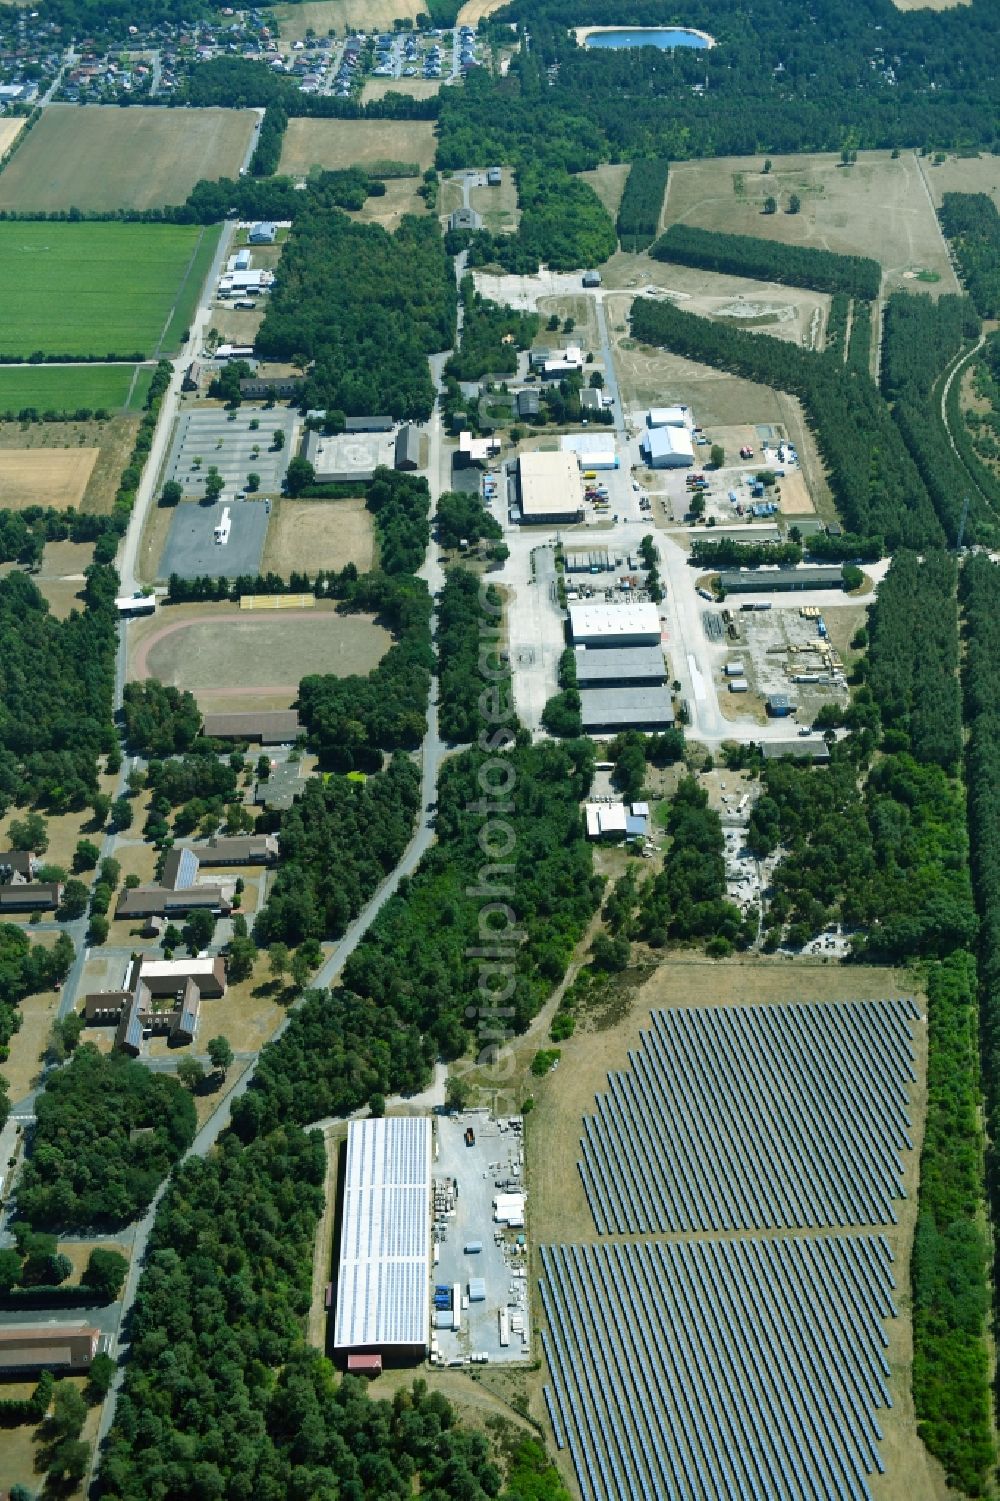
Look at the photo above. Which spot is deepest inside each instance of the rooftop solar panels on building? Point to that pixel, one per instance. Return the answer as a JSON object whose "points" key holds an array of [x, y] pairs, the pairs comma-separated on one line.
{"points": [[385, 1235], [719, 1369], [755, 1117]]}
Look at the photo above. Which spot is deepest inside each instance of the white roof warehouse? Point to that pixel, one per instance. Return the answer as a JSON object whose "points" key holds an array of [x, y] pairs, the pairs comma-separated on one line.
{"points": [[550, 487], [385, 1241]]}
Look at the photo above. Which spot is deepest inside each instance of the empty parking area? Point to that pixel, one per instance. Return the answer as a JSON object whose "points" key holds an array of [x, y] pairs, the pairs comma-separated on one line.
{"points": [[193, 551], [229, 443]]}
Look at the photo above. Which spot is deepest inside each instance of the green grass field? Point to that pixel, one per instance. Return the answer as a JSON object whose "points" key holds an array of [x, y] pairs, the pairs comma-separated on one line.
{"points": [[94, 289], [59, 388]]}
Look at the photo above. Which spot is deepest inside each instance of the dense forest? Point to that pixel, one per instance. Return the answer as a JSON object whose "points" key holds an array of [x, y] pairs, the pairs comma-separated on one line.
{"points": [[338, 843], [642, 200], [470, 659], [767, 260], [971, 223], [365, 308], [160, 720], [564, 225], [877, 488], [492, 334], [687, 899], [408, 988], [400, 504], [912, 662], [107, 1130], [57, 689]]}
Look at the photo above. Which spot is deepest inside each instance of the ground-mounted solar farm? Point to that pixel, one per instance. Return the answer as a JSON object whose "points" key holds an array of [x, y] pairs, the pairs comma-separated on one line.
{"points": [[737, 1344]]}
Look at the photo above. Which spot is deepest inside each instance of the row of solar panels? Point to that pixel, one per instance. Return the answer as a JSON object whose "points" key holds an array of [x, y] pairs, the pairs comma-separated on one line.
{"points": [[748, 1368], [743, 1118]]}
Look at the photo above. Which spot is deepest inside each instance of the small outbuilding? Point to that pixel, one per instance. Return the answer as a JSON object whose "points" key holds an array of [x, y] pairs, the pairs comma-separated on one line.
{"points": [[408, 447], [592, 278], [264, 233]]}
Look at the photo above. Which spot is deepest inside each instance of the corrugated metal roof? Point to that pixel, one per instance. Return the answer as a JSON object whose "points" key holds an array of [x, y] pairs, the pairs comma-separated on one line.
{"points": [[385, 1235]]}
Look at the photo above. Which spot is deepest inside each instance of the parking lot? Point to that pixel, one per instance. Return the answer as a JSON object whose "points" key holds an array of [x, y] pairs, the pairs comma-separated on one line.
{"points": [[467, 1180], [192, 550], [227, 442]]}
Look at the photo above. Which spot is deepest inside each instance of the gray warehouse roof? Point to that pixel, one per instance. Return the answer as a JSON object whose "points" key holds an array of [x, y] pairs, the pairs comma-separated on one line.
{"points": [[626, 708], [385, 1235], [767, 580], [619, 665], [777, 750]]}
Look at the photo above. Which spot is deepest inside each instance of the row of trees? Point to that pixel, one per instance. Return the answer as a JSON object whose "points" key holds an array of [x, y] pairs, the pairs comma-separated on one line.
{"points": [[25, 969], [365, 308], [875, 483], [728, 553], [769, 260], [642, 200], [468, 641]]}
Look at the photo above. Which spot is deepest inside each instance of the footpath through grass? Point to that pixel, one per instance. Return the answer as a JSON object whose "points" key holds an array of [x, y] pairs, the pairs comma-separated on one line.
{"points": [[95, 289]]}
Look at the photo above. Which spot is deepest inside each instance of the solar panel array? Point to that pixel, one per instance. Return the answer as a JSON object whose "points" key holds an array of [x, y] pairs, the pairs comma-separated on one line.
{"points": [[753, 1117], [382, 1279], [719, 1369]]}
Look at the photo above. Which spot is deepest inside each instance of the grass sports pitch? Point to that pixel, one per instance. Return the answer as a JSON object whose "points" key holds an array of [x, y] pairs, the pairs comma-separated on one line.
{"points": [[108, 158], [93, 289]]}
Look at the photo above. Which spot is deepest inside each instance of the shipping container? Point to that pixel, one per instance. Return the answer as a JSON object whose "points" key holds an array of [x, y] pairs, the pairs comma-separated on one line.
{"points": [[739, 685], [473, 1247], [504, 1321]]}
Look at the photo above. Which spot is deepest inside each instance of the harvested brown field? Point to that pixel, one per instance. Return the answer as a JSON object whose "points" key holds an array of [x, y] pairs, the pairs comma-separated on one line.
{"points": [[342, 15], [312, 534], [44, 476], [878, 207], [10, 128], [417, 88], [232, 660], [112, 439], [334, 144], [608, 182], [474, 11], [103, 157]]}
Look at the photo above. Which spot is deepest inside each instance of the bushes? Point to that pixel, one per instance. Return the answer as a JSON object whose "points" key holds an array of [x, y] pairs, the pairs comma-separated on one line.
{"points": [[792, 265], [491, 336], [642, 200]]}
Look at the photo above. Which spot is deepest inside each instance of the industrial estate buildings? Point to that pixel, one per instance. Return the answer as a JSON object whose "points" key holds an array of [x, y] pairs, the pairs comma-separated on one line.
{"points": [[549, 485]]}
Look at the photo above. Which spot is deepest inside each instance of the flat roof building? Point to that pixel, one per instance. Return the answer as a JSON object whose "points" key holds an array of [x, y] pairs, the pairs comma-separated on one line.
{"points": [[600, 625], [780, 580], [464, 218], [615, 667], [640, 708], [592, 450], [676, 416], [667, 448], [47, 1347], [240, 849], [385, 1239], [269, 727], [779, 750], [550, 487]]}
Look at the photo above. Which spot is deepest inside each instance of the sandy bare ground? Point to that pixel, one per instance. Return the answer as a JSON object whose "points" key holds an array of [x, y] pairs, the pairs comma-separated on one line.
{"points": [[44, 476]]}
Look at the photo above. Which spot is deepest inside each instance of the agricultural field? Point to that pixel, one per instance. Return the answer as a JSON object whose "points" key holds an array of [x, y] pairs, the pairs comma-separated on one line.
{"points": [[311, 534], [474, 11], [334, 144], [68, 388], [108, 158], [44, 476], [878, 207], [113, 440], [232, 660], [417, 88], [608, 182], [323, 16], [95, 288]]}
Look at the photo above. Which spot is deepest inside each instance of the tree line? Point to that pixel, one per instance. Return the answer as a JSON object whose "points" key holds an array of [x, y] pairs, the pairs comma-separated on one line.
{"points": [[642, 200], [972, 226], [768, 260], [462, 648], [25, 969], [364, 309]]}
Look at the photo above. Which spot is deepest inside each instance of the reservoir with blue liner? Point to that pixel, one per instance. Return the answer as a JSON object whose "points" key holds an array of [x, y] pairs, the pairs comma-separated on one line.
{"points": [[666, 37]]}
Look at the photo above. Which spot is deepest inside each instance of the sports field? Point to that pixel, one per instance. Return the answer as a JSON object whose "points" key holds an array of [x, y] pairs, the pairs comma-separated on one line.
{"points": [[44, 476], [93, 289], [877, 207], [67, 388], [333, 144], [103, 157]]}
